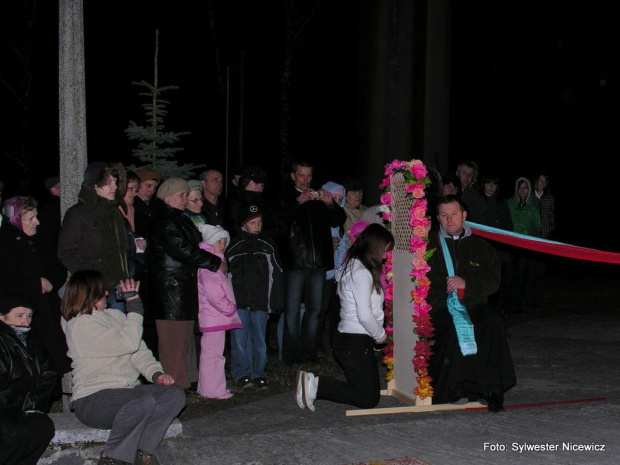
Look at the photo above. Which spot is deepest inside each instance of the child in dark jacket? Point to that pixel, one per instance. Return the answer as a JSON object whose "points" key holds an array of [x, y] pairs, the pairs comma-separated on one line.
{"points": [[258, 284]]}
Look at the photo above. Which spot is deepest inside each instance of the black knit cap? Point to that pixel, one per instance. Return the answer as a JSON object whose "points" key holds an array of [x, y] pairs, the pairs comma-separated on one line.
{"points": [[51, 182], [253, 173], [10, 301]]}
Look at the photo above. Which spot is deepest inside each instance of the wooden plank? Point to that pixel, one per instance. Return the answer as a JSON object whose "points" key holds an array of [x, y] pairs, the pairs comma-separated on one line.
{"points": [[412, 409]]}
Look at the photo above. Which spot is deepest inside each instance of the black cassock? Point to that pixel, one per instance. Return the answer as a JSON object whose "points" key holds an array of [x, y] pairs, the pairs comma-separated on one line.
{"points": [[490, 370]]}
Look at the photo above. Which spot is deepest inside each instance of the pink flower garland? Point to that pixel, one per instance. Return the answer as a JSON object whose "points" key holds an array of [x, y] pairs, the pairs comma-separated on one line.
{"points": [[415, 175]]}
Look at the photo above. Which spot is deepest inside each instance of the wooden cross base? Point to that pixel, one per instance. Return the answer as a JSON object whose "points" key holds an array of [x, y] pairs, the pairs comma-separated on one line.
{"points": [[419, 405]]}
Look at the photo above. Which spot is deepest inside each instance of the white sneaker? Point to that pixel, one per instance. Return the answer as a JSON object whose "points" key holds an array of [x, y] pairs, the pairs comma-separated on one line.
{"points": [[299, 390], [310, 385]]}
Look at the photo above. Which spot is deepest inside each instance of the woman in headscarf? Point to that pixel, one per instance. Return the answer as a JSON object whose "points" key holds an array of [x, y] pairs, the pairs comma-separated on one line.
{"points": [[24, 271]]}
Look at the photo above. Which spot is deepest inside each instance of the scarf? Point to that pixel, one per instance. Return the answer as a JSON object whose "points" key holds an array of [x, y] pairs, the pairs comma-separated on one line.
{"points": [[21, 332], [197, 218], [460, 317]]}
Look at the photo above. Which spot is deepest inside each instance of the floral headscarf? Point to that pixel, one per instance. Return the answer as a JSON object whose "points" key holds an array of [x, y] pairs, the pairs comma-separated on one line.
{"points": [[13, 210]]}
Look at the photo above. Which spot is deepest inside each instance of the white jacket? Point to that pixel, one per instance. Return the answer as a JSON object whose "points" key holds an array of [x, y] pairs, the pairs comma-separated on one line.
{"points": [[107, 351], [361, 307]]}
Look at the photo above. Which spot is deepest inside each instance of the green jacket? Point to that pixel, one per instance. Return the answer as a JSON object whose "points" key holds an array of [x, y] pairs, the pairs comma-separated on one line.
{"points": [[525, 219]]}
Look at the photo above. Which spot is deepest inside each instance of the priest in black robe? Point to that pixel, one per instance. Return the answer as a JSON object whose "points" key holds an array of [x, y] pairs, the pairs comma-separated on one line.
{"points": [[489, 372]]}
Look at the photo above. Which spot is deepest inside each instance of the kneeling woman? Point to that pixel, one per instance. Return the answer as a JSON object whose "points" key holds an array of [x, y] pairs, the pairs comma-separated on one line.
{"points": [[360, 327], [26, 385], [108, 357]]}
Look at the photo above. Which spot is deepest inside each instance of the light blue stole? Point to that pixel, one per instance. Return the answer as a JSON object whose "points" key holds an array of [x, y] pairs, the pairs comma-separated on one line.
{"points": [[460, 317]]}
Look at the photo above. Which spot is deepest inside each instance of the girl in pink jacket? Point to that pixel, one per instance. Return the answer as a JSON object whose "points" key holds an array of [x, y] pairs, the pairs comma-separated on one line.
{"points": [[217, 313]]}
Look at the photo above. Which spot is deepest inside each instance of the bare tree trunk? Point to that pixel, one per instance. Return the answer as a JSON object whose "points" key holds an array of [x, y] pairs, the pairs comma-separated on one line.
{"points": [[298, 17], [18, 148]]}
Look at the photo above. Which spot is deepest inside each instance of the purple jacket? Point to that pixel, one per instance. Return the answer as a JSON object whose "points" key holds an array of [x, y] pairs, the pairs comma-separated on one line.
{"points": [[217, 309]]}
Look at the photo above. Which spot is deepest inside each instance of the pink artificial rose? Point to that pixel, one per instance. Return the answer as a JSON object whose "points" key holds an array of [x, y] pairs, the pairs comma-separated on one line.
{"points": [[418, 193], [386, 199], [419, 231], [421, 203], [422, 309], [419, 273], [416, 242], [419, 213], [393, 167], [419, 170], [419, 222], [420, 251], [421, 292], [418, 263]]}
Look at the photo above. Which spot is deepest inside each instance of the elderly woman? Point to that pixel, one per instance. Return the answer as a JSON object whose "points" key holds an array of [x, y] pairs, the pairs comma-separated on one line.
{"points": [[173, 258], [193, 212], [23, 270], [194, 203], [108, 357], [26, 384]]}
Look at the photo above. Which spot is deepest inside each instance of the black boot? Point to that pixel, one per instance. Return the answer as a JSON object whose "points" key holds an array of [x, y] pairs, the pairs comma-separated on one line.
{"points": [[495, 401]]}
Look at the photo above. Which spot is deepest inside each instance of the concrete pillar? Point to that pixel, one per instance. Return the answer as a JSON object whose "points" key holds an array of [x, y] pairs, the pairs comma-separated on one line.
{"points": [[72, 100]]}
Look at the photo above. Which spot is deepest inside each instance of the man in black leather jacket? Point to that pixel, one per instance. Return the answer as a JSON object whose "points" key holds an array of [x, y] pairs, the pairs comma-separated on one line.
{"points": [[307, 255], [173, 258]]}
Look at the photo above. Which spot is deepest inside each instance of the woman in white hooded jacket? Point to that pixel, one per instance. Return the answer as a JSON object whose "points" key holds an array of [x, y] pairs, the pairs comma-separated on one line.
{"points": [[360, 328]]}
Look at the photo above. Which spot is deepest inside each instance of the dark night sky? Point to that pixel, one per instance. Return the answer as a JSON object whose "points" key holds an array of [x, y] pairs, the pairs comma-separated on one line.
{"points": [[534, 86]]}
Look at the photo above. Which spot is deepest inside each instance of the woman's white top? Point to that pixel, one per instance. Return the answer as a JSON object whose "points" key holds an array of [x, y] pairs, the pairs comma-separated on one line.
{"points": [[361, 307]]}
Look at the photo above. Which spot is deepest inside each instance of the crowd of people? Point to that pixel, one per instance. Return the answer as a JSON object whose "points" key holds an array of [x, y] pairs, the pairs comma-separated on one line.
{"points": [[528, 209], [117, 293]]}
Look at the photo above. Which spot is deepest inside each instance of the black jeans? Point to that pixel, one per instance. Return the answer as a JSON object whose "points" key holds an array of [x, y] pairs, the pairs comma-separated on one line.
{"points": [[356, 355]]}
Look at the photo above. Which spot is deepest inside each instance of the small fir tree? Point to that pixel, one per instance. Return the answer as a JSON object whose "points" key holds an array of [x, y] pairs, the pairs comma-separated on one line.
{"points": [[156, 146]]}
